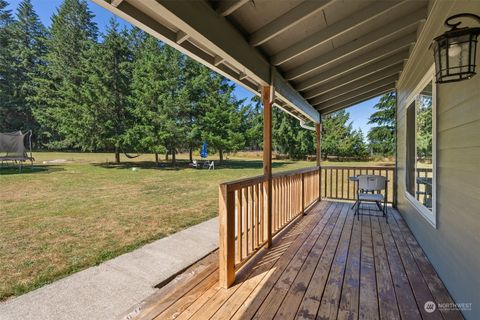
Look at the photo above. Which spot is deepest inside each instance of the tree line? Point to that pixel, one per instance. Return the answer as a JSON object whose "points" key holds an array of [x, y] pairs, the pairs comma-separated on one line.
{"points": [[125, 91]]}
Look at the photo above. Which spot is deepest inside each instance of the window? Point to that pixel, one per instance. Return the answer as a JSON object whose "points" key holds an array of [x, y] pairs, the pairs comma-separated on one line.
{"points": [[420, 148]]}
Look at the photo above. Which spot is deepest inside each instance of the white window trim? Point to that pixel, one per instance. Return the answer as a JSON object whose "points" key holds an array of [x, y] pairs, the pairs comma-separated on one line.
{"points": [[430, 216]]}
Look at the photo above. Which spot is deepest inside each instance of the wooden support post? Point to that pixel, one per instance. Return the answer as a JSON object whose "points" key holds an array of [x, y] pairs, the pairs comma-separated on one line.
{"points": [[318, 129], [395, 172], [267, 99], [226, 204]]}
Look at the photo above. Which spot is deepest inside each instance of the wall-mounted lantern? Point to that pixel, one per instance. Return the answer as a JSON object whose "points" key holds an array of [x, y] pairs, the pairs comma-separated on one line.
{"points": [[455, 51]]}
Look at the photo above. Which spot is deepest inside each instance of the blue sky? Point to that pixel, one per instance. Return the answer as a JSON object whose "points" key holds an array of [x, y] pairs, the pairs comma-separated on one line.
{"points": [[45, 8]]}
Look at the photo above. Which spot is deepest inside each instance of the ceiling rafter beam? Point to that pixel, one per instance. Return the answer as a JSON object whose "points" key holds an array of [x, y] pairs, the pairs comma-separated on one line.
{"points": [[373, 54], [242, 75], [387, 31], [352, 91], [286, 21], [116, 3], [334, 78], [217, 60], [227, 7], [381, 76], [181, 37], [357, 82], [335, 30], [355, 100]]}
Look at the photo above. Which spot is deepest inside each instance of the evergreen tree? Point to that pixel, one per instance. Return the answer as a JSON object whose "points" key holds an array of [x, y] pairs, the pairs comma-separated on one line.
{"points": [[284, 133], [58, 109], [223, 120], [290, 138], [144, 100], [158, 96], [197, 79], [28, 51], [382, 136], [175, 98], [6, 70], [424, 126], [253, 124], [339, 138], [104, 94]]}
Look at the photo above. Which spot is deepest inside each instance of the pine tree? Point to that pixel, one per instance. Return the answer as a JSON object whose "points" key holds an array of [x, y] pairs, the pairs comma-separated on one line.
{"points": [[105, 92], [289, 138], [144, 100], [424, 126], [253, 124], [382, 136], [175, 98], [72, 34], [197, 79], [158, 96], [28, 50], [339, 138], [6, 70], [222, 121]]}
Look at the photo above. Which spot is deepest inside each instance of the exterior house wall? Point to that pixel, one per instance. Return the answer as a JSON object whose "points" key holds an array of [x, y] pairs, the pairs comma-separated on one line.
{"points": [[453, 246]]}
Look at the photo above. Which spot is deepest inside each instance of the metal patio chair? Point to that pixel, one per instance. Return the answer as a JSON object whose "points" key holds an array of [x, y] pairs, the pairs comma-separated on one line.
{"points": [[369, 190]]}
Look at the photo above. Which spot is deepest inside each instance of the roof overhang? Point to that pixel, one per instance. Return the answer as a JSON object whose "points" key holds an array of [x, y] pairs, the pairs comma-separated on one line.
{"points": [[320, 56]]}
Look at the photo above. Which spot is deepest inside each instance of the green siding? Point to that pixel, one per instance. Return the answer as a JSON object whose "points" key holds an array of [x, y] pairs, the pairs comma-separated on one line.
{"points": [[454, 246]]}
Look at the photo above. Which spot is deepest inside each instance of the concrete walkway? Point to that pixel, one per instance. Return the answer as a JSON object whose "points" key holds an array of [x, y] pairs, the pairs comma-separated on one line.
{"points": [[111, 289]]}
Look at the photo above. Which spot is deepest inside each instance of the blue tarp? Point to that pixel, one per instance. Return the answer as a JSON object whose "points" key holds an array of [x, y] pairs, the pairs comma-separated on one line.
{"points": [[204, 152]]}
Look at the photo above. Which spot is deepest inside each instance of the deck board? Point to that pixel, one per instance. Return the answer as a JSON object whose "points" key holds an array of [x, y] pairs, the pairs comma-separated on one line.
{"points": [[368, 304], [294, 297], [326, 265]]}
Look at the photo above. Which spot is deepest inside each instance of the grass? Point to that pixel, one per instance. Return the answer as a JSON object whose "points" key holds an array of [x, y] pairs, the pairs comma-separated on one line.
{"points": [[59, 218]]}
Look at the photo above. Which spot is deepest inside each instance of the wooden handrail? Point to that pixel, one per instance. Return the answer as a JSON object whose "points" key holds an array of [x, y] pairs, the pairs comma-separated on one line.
{"points": [[244, 224], [359, 167], [241, 183]]}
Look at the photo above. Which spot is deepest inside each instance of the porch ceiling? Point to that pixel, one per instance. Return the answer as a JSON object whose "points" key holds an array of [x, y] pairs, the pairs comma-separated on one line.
{"points": [[321, 55]]}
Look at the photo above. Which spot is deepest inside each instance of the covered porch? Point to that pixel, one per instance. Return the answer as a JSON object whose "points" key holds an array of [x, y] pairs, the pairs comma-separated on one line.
{"points": [[286, 250], [325, 265]]}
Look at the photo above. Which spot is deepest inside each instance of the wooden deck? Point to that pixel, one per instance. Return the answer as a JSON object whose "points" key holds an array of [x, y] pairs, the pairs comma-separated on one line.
{"points": [[326, 265]]}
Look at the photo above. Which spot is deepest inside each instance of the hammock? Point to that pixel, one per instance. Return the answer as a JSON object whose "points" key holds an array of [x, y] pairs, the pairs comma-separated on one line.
{"points": [[131, 157]]}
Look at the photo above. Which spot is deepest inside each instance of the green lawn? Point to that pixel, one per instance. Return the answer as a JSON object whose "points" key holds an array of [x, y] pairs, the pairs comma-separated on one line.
{"points": [[58, 218]]}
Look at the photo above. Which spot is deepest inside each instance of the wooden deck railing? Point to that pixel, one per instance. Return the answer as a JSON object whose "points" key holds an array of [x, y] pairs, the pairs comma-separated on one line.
{"points": [[336, 185], [244, 223], [423, 182], [244, 216]]}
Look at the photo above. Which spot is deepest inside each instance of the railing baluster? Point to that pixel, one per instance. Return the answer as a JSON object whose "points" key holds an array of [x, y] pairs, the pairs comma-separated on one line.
{"points": [[245, 221], [279, 202], [255, 219], [239, 225], [325, 175], [342, 182], [331, 183], [262, 214]]}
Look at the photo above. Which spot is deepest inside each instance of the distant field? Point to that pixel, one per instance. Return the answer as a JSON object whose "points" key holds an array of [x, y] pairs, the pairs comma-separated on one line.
{"points": [[79, 210]]}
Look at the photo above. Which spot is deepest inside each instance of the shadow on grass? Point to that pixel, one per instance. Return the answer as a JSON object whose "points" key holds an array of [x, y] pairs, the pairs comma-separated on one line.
{"points": [[36, 169], [185, 164]]}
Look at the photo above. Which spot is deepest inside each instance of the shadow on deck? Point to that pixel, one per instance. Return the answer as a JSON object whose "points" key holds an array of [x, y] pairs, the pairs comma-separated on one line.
{"points": [[327, 265]]}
